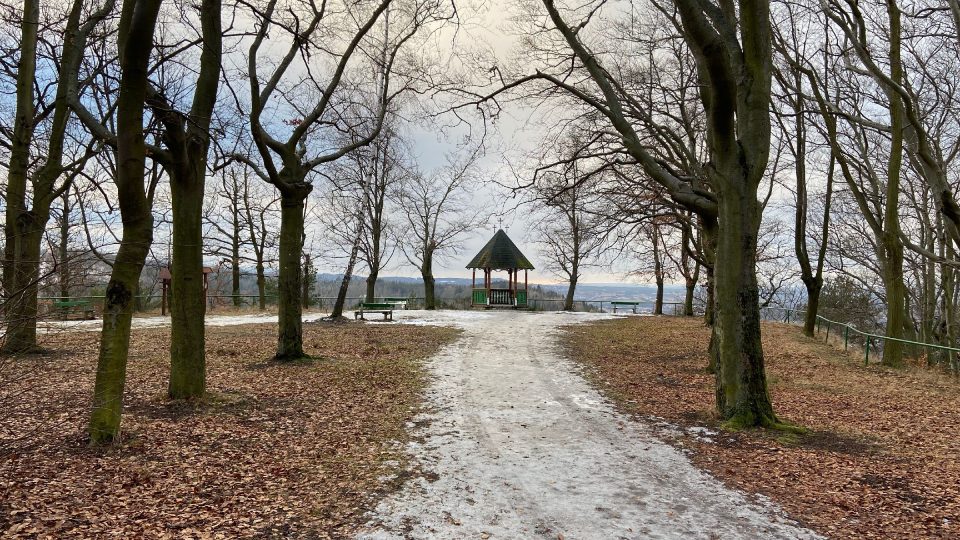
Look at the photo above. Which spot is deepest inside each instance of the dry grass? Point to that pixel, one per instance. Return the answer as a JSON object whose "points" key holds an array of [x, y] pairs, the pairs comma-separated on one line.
{"points": [[277, 450], [881, 461]]}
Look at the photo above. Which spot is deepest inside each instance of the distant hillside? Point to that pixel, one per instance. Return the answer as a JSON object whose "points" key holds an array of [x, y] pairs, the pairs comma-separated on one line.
{"points": [[404, 287], [620, 291], [329, 284]]}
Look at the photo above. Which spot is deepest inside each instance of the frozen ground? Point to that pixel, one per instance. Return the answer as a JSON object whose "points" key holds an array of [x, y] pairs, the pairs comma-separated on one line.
{"points": [[155, 322], [516, 444]]}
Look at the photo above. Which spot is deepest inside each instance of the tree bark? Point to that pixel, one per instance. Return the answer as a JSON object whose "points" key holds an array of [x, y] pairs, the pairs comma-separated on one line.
{"points": [[187, 298], [21, 306], [135, 43], [290, 338], [657, 273], [691, 287], [890, 239], [261, 286], [235, 260], [23, 128], [429, 294], [308, 279], [63, 249], [24, 227], [21, 259], [426, 270], [571, 290], [347, 276], [742, 396], [188, 140]]}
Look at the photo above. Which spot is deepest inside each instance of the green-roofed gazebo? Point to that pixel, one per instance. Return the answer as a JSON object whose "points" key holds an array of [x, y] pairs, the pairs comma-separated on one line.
{"points": [[500, 253]]}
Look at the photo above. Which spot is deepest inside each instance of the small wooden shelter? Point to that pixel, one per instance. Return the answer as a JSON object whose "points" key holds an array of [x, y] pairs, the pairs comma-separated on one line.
{"points": [[500, 253]]}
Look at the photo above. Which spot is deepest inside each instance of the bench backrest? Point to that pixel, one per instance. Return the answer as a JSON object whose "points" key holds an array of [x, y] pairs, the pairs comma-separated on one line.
{"points": [[375, 305], [70, 303]]}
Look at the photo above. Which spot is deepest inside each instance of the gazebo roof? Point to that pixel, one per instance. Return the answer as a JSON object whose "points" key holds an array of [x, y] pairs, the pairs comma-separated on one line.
{"points": [[500, 253]]}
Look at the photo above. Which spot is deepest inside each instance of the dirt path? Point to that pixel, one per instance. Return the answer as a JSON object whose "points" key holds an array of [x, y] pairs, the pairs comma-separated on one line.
{"points": [[516, 444]]}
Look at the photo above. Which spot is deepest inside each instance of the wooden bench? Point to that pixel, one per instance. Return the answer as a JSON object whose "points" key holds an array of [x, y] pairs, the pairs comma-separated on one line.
{"points": [[66, 307], [397, 303], [374, 307], [623, 304]]}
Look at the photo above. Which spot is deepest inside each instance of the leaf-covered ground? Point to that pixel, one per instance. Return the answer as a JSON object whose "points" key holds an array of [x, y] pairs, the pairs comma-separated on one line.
{"points": [[276, 451], [882, 459]]}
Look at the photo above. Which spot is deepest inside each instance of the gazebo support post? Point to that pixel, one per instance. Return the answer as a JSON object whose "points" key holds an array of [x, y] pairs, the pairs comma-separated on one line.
{"points": [[486, 273]]}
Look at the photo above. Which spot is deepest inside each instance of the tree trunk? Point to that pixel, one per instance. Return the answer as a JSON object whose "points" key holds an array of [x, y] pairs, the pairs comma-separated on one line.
{"points": [[657, 271], [261, 286], [571, 290], [710, 231], [814, 287], [658, 303], [290, 338], [21, 305], [345, 282], [429, 298], [63, 249], [691, 287], [115, 335], [890, 240], [235, 260], [372, 285], [17, 271], [742, 397], [135, 43], [187, 297], [308, 279]]}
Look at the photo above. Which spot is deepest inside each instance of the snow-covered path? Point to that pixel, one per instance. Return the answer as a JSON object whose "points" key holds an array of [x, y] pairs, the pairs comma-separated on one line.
{"points": [[158, 322], [516, 444]]}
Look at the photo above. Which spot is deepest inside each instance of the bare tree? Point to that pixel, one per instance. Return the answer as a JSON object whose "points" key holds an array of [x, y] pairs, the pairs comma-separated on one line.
{"points": [[436, 215], [571, 234], [135, 42], [310, 29], [27, 216]]}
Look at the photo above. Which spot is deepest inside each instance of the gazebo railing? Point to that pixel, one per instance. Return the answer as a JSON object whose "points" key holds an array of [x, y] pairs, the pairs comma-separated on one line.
{"points": [[479, 296], [501, 297]]}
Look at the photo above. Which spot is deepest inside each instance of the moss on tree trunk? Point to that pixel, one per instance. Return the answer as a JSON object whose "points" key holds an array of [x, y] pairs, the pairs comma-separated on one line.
{"points": [[742, 397], [135, 42]]}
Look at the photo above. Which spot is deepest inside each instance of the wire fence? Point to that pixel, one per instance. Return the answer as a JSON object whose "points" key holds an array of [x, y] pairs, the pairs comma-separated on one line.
{"points": [[871, 344]]}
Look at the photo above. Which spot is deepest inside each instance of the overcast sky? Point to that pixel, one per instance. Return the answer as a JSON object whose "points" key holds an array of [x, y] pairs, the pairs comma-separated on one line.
{"points": [[514, 133]]}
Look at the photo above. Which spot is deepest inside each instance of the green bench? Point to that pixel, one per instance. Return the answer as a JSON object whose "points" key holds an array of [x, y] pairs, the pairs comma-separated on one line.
{"points": [[374, 307], [66, 307], [633, 305]]}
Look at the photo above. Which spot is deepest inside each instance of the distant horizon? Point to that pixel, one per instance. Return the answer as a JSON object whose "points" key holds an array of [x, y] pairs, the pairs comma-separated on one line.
{"points": [[531, 282]]}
